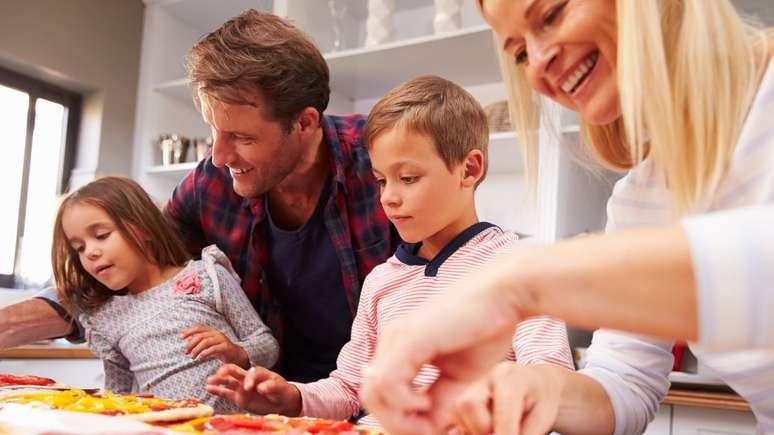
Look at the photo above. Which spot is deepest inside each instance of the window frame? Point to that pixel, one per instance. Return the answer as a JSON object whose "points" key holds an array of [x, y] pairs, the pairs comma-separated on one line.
{"points": [[72, 101]]}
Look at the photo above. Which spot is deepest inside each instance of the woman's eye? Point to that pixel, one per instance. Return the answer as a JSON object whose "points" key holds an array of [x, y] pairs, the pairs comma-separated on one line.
{"points": [[78, 249], [381, 182], [103, 236], [520, 57], [554, 13]]}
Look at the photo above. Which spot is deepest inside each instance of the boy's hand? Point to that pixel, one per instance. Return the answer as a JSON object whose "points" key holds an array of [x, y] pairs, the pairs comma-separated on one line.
{"points": [[257, 390], [208, 342]]}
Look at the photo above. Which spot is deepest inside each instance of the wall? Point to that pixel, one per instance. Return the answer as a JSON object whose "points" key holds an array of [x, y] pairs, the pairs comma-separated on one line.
{"points": [[89, 46]]}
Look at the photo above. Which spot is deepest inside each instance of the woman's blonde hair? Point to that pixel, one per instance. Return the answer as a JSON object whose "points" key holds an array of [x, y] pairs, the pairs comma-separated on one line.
{"points": [[138, 220], [687, 71]]}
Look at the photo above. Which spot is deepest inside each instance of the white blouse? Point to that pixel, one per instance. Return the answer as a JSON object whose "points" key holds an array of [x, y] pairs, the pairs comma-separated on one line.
{"points": [[733, 256]]}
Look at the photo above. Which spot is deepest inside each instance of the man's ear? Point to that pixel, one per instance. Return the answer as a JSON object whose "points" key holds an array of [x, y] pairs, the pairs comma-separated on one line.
{"points": [[308, 120], [472, 168]]}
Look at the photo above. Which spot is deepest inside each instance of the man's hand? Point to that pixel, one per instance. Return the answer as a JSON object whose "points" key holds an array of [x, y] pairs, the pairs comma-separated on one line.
{"points": [[208, 342], [258, 390]]}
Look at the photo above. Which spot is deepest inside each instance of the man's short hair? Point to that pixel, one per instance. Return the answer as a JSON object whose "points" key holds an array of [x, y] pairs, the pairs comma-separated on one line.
{"points": [[260, 55], [438, 108]]}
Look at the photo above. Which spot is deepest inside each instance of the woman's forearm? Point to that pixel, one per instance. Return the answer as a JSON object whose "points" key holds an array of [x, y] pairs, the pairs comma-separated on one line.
{"points": [[639, 281], [584, 408]]}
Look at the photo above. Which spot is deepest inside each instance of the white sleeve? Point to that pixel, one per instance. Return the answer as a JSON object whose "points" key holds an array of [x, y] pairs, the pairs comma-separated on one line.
{"points": [[733, 254], [633, 371]]}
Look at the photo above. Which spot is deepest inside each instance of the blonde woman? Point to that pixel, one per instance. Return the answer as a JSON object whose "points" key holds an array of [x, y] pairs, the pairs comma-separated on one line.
{"points": [[679, 93]]}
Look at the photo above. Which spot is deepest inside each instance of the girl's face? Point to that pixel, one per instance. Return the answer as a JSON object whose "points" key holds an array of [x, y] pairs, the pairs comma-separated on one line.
{"points": [[567, 49], [102, 249]]}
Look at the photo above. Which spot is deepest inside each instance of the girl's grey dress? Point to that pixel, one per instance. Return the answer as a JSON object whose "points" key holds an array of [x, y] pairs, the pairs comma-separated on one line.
{"points": [[137, 336]]}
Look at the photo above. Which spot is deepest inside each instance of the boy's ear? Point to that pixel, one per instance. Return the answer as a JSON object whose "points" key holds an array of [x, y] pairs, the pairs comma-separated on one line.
{"points": [[472, 168]]}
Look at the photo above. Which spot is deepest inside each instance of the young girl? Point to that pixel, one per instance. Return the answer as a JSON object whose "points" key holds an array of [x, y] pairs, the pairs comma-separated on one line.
{"points": [[158, 320]]}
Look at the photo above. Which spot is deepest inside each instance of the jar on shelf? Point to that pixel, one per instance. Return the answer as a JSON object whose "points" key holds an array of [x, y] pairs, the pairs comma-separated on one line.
{"points": [[174, 148], [201, 146]]}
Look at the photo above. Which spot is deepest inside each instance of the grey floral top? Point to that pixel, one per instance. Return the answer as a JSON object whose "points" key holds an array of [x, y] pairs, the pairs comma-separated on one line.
{"points": [[137, 336]]}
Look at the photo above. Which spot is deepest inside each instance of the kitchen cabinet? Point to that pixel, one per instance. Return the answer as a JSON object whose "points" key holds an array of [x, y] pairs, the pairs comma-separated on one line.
{"points": [[568, 199]]}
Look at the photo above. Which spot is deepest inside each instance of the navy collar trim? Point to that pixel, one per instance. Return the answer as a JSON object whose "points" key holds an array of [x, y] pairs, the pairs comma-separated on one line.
{"points": [[407, 252]]}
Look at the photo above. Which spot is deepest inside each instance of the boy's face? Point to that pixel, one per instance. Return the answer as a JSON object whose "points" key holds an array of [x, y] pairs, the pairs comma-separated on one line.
{"points": [[422, 197]]}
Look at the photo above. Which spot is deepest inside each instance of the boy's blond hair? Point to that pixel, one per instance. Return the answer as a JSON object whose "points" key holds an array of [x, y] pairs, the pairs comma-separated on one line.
{"points": [[439, 108]]}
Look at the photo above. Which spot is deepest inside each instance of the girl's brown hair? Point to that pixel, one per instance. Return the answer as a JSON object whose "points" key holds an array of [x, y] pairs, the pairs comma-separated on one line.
{"points": [[138, 220]]}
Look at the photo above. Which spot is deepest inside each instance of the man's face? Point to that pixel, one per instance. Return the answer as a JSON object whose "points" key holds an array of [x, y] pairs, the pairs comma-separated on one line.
{"points": [[258, 153]]}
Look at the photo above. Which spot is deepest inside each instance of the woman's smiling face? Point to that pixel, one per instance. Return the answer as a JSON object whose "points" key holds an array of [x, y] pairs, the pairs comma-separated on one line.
{"points": [[567, 49]]}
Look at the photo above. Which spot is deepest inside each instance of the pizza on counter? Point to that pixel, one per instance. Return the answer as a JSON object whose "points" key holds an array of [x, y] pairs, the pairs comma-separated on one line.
{"points": [[246, 424], [36, 381], [145, 408]]}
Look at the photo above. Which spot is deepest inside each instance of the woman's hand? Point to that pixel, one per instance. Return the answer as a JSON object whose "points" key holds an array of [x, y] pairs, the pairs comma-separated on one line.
{"points": [[258, 390], [208, 342], [464, 332], [511, 399]]}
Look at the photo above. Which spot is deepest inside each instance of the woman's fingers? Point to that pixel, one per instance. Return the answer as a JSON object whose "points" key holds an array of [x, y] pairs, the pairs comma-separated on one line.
{"points": [[473, 411]]}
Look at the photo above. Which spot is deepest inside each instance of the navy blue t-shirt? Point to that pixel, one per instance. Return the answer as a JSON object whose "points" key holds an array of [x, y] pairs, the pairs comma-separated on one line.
{"points": [[303, 266]]}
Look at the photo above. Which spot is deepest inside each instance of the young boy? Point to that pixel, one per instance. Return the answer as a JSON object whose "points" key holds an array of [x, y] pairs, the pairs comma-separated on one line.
{"points": [[427, 140]]}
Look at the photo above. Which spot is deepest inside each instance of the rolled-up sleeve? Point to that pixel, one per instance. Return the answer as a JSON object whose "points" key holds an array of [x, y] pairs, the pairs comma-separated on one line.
{"points": [[634, 373], [51, 296], [732, 254]]}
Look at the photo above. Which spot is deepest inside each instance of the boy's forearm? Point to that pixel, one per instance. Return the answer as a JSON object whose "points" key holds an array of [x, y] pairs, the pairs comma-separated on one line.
{"points": [[30, 320]]}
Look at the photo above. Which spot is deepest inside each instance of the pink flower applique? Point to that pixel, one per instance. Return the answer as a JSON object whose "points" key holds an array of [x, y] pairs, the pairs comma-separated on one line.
{"points": [[187, 284]]}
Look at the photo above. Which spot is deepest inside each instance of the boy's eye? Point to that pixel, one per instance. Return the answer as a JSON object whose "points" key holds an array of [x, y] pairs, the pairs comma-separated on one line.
{"points": [[408, 179]]}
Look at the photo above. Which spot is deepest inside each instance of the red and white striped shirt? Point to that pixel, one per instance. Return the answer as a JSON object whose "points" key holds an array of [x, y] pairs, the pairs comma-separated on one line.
{"points": [[399, 286]]}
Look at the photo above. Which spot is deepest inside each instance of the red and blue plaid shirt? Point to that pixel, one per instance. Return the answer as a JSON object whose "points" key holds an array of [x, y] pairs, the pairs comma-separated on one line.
{"points": [[206, 210]]}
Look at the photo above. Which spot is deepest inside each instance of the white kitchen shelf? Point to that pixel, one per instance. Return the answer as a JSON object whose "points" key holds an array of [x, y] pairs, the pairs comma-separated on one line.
{"points": [[176, 171], [177, 89], [466, 57]]}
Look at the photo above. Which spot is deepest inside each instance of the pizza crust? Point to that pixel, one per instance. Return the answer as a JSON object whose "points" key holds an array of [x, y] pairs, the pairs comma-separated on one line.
{"points": [[175, 414]]}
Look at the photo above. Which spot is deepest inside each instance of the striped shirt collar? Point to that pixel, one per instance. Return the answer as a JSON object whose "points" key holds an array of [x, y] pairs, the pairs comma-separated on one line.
{"points": [[407, 252]]}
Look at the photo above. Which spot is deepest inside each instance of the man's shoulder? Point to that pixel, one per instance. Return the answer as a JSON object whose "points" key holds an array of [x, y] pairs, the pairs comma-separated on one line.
{"points": [[348, 130]]}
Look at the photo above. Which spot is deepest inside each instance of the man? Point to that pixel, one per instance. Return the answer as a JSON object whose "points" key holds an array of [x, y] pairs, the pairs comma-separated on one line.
{"points": [[287, 194]]}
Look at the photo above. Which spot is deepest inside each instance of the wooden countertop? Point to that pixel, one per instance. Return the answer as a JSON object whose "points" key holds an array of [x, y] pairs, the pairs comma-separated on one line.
{"points": [[52, 350], [706, 399]]}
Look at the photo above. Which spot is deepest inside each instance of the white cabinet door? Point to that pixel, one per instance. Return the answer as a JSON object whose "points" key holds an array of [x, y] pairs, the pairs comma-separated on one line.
{"points": [[82, 373], [661, 425], [687, 420]]}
